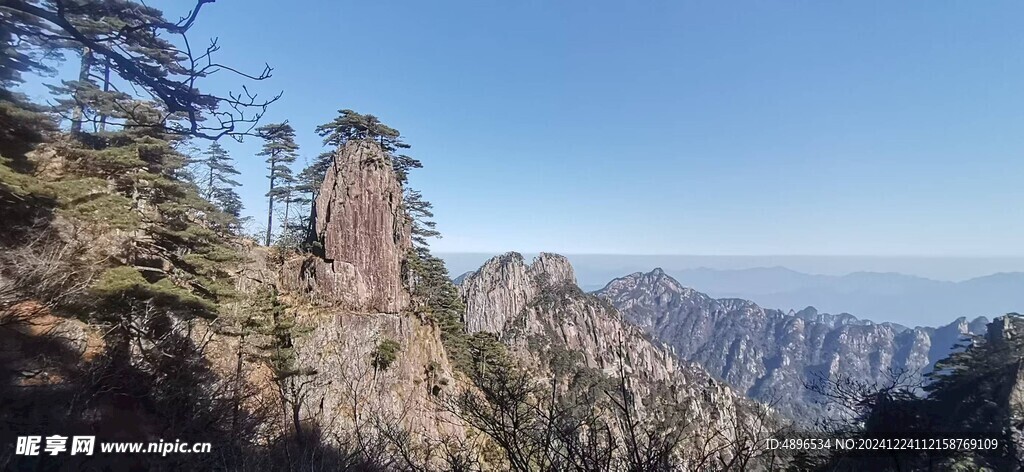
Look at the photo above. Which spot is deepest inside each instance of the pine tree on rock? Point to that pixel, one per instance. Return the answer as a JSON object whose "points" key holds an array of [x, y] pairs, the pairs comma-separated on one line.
{"points": [[420, 213], [350, 125], [280, 151]]}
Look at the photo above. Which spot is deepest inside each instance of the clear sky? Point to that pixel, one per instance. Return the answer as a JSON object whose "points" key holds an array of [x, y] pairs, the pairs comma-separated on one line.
{"points": [[668, 127]]}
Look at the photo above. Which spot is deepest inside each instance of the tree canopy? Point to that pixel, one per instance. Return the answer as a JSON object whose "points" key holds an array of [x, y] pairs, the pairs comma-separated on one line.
{"points": [[280, 151], [134, 42]]}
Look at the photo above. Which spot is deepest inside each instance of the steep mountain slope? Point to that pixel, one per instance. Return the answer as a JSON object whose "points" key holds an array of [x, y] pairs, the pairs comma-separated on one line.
{"points": [[769, 354], [533, 306], [548, 321]]}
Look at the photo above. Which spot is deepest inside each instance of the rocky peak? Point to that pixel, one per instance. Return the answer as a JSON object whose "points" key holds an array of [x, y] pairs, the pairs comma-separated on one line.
{"points": [[506, 284], [458, 280], [765, 352], [363, 231], [1001, 329], [554, 267], [545, 319], [655, 284]]}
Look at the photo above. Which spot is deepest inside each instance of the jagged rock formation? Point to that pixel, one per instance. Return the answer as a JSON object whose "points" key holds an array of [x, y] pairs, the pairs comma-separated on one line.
{"points": [[505, 284], [769, 354], [359, 299], [538, 310], [461, 278], [363, 233]]}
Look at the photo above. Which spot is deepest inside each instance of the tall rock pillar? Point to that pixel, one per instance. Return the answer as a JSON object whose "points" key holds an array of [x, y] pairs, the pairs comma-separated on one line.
{"points": [[363, 231]]}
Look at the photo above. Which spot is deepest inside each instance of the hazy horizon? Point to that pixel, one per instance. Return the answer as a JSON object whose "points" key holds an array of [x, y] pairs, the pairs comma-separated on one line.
{"points": [[593, 269]]}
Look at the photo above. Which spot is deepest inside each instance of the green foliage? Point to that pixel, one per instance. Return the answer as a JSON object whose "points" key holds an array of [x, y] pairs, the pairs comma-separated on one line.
{"points": [[969, 394], [121, 285], [123, 44], [104, 209], [214, 179], [312, 176], [350, 125], [420, 213], [970, 385], [21, 185], [438, 299], [280, 151], [384, 354], [22, 49], [22, 127]]}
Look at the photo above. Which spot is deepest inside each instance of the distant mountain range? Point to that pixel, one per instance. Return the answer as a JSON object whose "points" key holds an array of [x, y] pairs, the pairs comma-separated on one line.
{"points": [[771, 355], [906, 290], [893, 297]]}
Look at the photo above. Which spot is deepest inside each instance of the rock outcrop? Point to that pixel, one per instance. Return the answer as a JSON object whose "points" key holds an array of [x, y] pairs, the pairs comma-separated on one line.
{"points": [[458, 280], [503, 287], [545, 318], [363, 233], [770, 354]]}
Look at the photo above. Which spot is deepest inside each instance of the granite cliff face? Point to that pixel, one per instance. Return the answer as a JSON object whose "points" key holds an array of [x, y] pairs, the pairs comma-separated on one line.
{"points": [[538, 310], [505, 285], [363, 233], [769, 354], [351, 296]]}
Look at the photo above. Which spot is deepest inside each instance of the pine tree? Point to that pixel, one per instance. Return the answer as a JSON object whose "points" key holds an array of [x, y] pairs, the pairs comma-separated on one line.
{"points": [[228, 201], [420, 213], [216, 170], [128, 40], [280, 150], [312, 176], [89, 97], [350, 125], [402, 164], [297, 218], [22, 49]]}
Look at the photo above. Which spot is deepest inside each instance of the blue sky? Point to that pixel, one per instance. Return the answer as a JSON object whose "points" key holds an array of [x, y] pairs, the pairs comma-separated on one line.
{"points": [[667, 127]]}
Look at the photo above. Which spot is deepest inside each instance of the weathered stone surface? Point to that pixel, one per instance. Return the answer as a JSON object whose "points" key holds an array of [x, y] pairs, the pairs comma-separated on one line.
{"points": [[336, 283], [769, 354], [505, 284], [544, 317], [348, 392], [364, 232]]}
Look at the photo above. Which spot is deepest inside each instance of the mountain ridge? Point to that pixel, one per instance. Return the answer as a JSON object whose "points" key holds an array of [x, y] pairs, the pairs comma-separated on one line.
{"points": [[895, 297], [769, 353]]}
